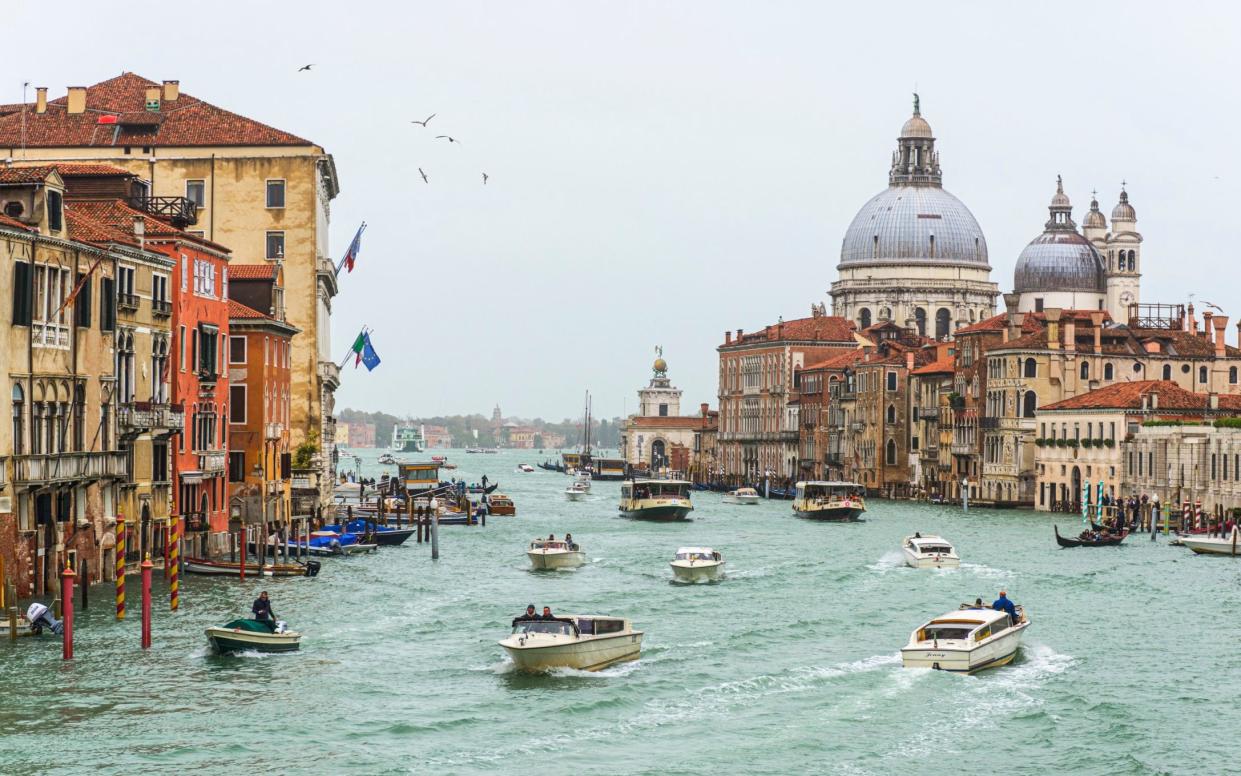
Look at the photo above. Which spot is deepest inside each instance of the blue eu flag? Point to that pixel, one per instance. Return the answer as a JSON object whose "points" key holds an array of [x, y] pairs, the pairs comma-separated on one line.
{"points": [[369, 357]]}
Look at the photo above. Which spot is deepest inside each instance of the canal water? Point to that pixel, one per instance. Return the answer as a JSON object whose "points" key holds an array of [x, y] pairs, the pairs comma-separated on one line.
{"points": [[789, 665]]}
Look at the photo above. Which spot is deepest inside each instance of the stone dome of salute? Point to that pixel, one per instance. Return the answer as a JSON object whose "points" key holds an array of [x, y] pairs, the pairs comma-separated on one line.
{"points": [[1060, 259]]}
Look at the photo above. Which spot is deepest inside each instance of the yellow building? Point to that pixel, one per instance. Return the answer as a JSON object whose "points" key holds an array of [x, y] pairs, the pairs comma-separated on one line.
{"points": [[262, 192]]}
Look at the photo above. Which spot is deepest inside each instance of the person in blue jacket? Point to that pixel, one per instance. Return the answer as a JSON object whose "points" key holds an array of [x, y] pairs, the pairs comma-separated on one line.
{"points": [[1002, 604]]}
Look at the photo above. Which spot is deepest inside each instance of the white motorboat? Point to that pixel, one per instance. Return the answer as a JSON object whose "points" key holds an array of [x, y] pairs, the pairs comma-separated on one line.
{"points": [[576, 492], [387, 459], [966, 640], [697, 564], [929, 552], [552, 554], [741, 496], [584, 642], [1213, 545], [525, 467], [582, 478]]}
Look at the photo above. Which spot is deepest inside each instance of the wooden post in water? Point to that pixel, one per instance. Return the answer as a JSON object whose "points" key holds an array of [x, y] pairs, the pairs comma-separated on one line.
{"points": [[12, 623], [146, 601], [66, 590], [435, 537], [243, 552], [84, 581]]}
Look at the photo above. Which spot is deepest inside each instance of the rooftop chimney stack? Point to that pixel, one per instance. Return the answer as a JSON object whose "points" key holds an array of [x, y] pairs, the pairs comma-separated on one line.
{"points": [[1193, 323], [40, 99], [1070, 334], [1206, 325], [172, 90], [728, 337], [1220, 322], [1052, 315], [77, 99], [706, 409], [1097, 320]]}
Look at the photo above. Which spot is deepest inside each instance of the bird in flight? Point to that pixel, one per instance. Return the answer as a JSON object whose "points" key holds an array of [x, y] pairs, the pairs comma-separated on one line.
{"points": [[450, 139], [305, 67], [424, 121], [424, 175], [485, 177]]}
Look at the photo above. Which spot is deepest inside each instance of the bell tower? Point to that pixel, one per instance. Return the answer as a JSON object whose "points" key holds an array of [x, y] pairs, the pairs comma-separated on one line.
{"points": [[660, 398], [1124, 259]]}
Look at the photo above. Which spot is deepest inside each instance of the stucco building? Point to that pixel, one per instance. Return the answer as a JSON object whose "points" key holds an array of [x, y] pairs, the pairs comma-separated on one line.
{"points": [[659, 437]]}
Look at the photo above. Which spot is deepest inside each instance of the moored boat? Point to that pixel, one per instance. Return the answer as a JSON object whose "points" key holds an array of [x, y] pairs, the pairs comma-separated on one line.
{"points": [[655, 499], [966, 640], [382, 535], [387, 459], [839, 502], [501, 504], [741, 496], [1214, 545], [1091, 539], [345, 543], [929, 552], [244, 635], [584, 642], [697, 564], [222, 568], [552, 554]]}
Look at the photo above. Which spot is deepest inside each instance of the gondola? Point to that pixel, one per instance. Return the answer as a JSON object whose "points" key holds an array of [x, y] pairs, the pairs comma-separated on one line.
{"points": [[476, 489], [1112, 541]]}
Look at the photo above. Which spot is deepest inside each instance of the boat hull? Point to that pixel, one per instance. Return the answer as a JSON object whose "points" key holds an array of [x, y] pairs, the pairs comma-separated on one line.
{"points": [[230, 569], [225, 640], [1211, 546], [664, 513], [992, 653], [697, 572], [502, 511], [575, 495], [556, 560], [741, 500], [832, 514], [583, 654], [915, 561]]}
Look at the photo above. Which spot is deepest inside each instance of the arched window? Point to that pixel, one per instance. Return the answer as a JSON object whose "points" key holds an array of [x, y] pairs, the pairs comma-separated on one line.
{"points": [[1031, 368], [1202, 375], [943, 323], [1232, 375], [1107, 372], [885, 313], [1167, 371], [19, 420], [863, 318], [1029, 404], [1133, 261], [890, 454], [920, 319], [1085, 370], [891, 413]]}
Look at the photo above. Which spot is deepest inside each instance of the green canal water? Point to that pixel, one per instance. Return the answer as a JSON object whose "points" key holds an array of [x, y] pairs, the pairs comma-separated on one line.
{"points": [[789, 665]]}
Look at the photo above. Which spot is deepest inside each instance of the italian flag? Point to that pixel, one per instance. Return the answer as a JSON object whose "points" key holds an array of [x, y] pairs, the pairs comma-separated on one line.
{"points": [[358, 345]]}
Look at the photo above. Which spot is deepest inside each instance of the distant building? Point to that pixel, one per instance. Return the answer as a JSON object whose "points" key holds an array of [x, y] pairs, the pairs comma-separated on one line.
{"points": [[517, 436], [361, 435], [437, 436], [658, 436], [342, 434], [550, 439]]}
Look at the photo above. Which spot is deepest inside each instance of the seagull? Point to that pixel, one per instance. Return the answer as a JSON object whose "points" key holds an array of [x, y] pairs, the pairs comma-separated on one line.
{"points": [[424, 121], [450, 139], [485, 177], [305, 67], [424, 175], [1213, 306]]}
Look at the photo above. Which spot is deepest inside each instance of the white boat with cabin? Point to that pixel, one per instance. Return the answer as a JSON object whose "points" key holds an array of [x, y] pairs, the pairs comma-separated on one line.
{"points": [[966, 640], [839, 502], [1213, 545], [576, 492], [697, 564], [583, 478], [584, 642], [929, 552], [741, 496], [655, 499], [552, 554]]}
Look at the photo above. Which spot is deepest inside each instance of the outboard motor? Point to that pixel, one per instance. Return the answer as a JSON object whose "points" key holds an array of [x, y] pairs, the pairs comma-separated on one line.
{"points": [[40, 617], [312, 568], [281, 627], [334, 546]]}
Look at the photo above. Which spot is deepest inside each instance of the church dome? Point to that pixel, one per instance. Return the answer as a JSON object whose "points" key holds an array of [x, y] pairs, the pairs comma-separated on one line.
{"points": [[1060, 259], [1094, 218], [916, 126], [909, 223], [1123, 210]]}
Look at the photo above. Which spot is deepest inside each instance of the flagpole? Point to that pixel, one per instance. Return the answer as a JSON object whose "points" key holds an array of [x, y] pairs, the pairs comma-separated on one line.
{"points": [[357, 237], [351, 351]]}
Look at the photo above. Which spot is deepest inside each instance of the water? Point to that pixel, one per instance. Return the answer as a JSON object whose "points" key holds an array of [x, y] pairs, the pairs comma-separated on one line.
{"points": [[789, 665]]}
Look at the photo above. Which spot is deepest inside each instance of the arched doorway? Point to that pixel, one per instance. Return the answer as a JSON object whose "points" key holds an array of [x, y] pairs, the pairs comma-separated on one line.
{"points": [[658, 454], [943, 323], [1075, 492]]}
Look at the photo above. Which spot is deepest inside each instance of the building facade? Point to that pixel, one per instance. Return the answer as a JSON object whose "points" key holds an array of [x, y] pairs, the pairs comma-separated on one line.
{"points": [[659, 438]]}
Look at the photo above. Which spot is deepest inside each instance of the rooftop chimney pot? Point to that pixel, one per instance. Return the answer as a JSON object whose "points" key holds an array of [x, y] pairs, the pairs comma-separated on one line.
{"points": [[40, 99], [172, 90], [77, 100]]}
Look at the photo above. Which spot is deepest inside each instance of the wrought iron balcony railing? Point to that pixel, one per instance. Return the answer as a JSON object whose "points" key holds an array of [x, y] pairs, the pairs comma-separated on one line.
{"points": [[127, 301], [161, 307], [181, 212]]}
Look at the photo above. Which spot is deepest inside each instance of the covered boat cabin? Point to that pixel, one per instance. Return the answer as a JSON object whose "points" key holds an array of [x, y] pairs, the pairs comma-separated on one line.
{"points": [[825, 491], [646, 489], [419, 477], [966, 624]]}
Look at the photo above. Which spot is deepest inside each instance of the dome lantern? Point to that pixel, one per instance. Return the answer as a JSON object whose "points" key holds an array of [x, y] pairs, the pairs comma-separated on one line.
{"points": [[1123, 210]]}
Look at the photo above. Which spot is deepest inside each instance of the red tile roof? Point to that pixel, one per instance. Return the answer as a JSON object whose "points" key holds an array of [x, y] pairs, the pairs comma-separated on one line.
{"points": [[238, 310], [671, 421], [84, 228], [1129, 396], [36, 174], [822, 328], [70, 169], [186, 121], [945, 364], [252, 272], [839, 361], [119, 216], [13, 223]]}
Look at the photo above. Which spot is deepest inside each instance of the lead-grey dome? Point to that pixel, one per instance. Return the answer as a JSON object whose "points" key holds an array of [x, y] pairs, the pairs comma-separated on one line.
{"points": [[914, 224], [1060, 259]]}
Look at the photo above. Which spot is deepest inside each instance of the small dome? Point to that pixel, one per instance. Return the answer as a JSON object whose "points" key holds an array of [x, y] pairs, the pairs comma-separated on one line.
{"points": [[1123, 210], [1060, 199], [916, 126], [1095, 219], [660, 365], [1059, 260]]}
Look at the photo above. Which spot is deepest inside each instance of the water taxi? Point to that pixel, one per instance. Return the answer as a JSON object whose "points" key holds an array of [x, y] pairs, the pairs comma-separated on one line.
{"points": [[525, 468], [929, 552], [583, 478], [840, 502], [576, 492], [655, 499], [613, 469], [697, 564], [500, 504], [584, 642], [1211, 545], [966, 640], [552, 554], [245, 635], [741, 496], [387, 459]]}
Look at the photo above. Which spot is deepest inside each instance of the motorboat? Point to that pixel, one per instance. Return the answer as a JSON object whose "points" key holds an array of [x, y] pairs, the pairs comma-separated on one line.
{"points": [[382, 535], [655, 499], [1213, 545], [839, 502], [525, 467], [741, 496], [583, 478], [576, 492], [500, 504], [929, 552], [584, 642], [340, 541], [230, 568], [966, 640], [245, 635], [697, 564], [1091, 538], [552, 554], [387, 459]]}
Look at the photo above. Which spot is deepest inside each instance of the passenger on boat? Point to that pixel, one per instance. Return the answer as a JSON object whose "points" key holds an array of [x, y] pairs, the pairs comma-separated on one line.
{"points": [[568, 539], [551, 538], [549, 617], [262, 611], [978, 604], [531, 614], [1002, 604]]}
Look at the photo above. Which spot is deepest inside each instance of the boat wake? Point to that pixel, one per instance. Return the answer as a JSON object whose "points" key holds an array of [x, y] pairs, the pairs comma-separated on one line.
{"points": [[890, 561], [985, 571]]}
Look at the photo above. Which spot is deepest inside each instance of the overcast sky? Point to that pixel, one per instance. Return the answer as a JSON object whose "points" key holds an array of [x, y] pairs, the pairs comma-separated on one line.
{"points": [[663, 171]]}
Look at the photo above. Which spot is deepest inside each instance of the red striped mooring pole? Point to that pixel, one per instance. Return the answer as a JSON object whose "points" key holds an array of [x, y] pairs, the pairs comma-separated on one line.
{"points": [[66, 604], [174, 559], [146, 601], [120, 567]]}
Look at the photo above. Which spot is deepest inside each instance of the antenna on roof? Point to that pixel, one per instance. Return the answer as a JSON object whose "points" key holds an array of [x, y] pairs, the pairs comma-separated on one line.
{"points": [[25, 86]]}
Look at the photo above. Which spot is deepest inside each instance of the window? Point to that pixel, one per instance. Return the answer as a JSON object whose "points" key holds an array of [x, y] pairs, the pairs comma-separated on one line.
{"points": [[890, 453], [1107, 372], [237, 404], [206, 364], [159, 288], [663, 410], [891, 381], [81, 303], [181, 348], [275, 245], [21, 293], [236, 350], [1167, 371], [1031, 368], [1038, 304], [55, 211], [1202, 375], [891, 413], [1030, 404], [1085, 370], [1232, 375], [185, 272], [275, 194], [107, 304], [236, 465], [79, 417], [864, 319], [195, 191], [19, 420], [204, 278]]}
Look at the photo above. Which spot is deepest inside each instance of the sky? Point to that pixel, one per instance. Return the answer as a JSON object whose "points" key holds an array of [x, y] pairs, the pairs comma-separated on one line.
{"points": [[661, 172]]}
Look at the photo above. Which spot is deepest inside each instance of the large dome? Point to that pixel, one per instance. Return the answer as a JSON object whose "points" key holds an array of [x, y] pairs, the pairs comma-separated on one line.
{"points": [[906, 224], [1059, 261]]}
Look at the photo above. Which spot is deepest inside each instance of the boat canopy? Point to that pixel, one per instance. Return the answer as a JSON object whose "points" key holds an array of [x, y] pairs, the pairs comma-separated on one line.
{"points": [[745, 492], [555, 627], [656, 489], [543, 544], [697, 553], [829, 489]]}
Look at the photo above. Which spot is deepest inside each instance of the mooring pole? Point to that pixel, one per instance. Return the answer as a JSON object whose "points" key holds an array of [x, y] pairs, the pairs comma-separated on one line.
{"points": [[66, 590], [146, 601], [243, 552], [120, 566], [435, 537], [174, 574]]}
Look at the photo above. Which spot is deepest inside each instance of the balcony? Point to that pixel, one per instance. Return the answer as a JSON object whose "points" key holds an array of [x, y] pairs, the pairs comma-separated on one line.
{"points": [[212, 462], [180, 211], [273, 431], [161, 307], [69, 467], [988, 422], [127, 302], [962, 449], [140, 416], [326, 270], [329, 372]]}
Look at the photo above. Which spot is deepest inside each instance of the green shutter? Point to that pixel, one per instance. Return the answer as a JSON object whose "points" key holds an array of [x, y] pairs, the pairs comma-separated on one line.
{"points": [[21, 293]]}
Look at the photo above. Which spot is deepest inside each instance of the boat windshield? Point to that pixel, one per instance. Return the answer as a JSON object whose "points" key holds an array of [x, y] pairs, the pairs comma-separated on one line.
{"points": [[821, 491], [554, 627], [694, 556], [942, 549], [660, 490], [546, 545], [944, 632]]}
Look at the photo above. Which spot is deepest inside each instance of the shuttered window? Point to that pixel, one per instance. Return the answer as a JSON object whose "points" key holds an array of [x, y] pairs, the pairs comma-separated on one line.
{"points": [[107, 304], [81, 303], [21, 293]]}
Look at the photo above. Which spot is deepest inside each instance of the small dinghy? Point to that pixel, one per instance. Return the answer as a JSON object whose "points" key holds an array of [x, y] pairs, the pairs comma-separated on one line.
{"points": [[244, 635]]}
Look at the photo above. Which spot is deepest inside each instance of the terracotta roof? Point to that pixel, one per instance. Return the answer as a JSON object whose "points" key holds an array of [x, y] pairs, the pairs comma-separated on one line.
{"points": [[13, 223], [119, 216], [238, 310], [845, 359], [822, 328], [1129, 396], [36, 174], [252, 272], [84, 228], [945, 364], [187, 121], [671, 421], [10, 107], [69, 169]]}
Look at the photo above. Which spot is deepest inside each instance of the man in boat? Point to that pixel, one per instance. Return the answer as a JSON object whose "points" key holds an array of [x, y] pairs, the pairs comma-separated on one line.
{"points": [[262, 611], [531, 614], [1002, 604], [549, 617]]}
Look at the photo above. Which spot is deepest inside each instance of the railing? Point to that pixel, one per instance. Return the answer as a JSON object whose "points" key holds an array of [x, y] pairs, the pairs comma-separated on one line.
{"points": [[127, 301], [329, 372], [207, 375], [182, 212], [962, 449], [62, 467], [161, 307], [50, 335], [212, 461], [987, 422], [143, 415]]}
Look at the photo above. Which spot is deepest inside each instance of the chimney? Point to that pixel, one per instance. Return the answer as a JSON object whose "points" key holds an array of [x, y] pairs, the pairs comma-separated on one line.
{"points": [[1070, 334], [1097, 320], [1011, 301], [152, 98], [704, 407], [1052, 315], [40, 99], [77, 99], [172, 90], [1206, 325], [1193, 324], [1154, 400], [909, 360], [1220, 322], [728, 337], [1213, 400], [1146, 402], [739, 332]]}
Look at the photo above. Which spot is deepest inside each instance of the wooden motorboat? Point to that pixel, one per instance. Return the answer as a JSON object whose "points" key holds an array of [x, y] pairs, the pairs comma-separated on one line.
{"points": [[697, 564], [224, 568], [655, 499], [741, 496], [244, 635], [966, 640], [929, 552], [500, 504], [838, 502], [552, 554], [1214, 545], [584, 642], [525, 468], [1110, 540]]}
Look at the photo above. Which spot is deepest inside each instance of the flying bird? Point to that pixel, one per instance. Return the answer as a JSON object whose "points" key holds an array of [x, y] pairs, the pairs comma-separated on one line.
{"points": [[424, 175], [424, 121], [305, 67], [485, 177], [450, 139], [1213, 306]]}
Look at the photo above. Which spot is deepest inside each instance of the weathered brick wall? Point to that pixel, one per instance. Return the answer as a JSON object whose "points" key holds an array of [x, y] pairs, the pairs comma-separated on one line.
{"points": [[17, 553]]}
